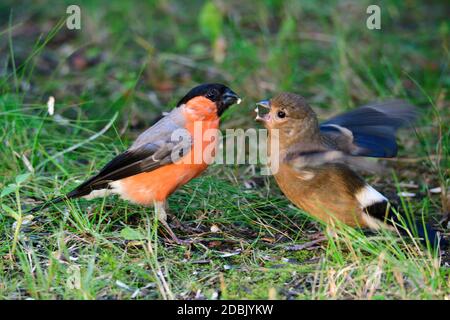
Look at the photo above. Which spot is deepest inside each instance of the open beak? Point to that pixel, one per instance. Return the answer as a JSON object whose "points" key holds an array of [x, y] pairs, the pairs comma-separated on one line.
{"points": [[263, 104]]}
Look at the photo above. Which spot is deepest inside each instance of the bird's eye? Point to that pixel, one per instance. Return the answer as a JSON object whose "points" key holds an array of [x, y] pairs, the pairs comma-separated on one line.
{"points": [[212, 94], [281, 114]]}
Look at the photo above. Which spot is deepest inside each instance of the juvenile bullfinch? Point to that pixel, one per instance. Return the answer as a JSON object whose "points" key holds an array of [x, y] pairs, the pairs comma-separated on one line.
{"points": [[313, 159], [161, 159]]}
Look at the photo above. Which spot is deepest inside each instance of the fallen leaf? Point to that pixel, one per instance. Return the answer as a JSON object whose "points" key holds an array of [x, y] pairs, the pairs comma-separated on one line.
{"points": [[305, 245]]}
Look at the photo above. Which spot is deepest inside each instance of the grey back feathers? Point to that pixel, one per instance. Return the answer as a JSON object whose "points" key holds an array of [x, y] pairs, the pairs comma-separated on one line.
{"points": [[158, 133]]}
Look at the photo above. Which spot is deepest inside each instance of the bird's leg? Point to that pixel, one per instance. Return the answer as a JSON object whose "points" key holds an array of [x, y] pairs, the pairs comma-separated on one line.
{"points": [[160, 210], [161, 215], [173, 219]]}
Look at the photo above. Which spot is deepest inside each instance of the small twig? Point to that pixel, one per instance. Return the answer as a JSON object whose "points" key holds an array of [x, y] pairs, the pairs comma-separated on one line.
{"points": [[298, 247]]}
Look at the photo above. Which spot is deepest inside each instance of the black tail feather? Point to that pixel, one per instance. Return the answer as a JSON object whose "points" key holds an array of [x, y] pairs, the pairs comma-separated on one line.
{"points": [[424, 231], [392, 215], [76, 193], [73, 194], [46, 204]]}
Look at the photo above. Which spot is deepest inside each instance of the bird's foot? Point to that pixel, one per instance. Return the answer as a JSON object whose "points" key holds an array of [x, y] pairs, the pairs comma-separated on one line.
{"points": [[161, 214], [175, 222], [173, 237]]}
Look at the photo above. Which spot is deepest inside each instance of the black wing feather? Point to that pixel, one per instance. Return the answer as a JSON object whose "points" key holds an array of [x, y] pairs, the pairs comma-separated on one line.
{"points": [[373, 127], [143, 159], [124, 165], [133, 161]]}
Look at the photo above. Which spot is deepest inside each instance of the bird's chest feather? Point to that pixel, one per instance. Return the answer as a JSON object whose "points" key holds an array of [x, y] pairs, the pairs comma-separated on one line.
{"points": [[157, 185], [320, 192], [202, 123], [295, 185]]}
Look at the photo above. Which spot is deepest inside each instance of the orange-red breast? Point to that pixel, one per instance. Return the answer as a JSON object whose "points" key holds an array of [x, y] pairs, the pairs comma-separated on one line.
{"points": [[313, 159], [165, 156]]}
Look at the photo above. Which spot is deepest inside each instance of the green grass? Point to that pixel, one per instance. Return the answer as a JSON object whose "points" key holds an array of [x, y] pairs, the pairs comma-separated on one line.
{"points": [[133, 61]]}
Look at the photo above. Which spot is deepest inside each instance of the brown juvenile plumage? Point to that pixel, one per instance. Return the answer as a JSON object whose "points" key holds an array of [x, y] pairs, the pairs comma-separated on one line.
{"points": [[326, 192], [314, 171]]}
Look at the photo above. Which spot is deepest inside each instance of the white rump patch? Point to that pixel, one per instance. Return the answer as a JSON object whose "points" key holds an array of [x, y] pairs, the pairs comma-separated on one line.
{"points": [[116, 188], [98, 194], [367, 196]]}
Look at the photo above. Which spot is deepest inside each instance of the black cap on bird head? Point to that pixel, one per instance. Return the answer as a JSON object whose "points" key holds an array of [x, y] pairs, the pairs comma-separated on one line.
{"points": [[218, 93]]}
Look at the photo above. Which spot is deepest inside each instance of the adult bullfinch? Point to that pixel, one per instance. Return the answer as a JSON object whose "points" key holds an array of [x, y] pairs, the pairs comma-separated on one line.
{"points": [[165, 156], [314, 169]]}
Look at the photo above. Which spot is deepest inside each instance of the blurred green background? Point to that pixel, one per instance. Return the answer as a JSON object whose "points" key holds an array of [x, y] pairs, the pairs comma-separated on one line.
{"points": [[136, 59], [157, 50]]}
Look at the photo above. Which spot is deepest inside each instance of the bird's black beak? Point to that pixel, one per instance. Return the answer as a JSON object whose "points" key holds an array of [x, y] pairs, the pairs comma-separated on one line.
{"points": [[229, 98]]}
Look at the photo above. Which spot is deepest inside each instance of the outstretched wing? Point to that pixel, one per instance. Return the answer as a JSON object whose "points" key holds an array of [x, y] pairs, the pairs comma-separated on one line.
{"points": [[368, 130]]}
